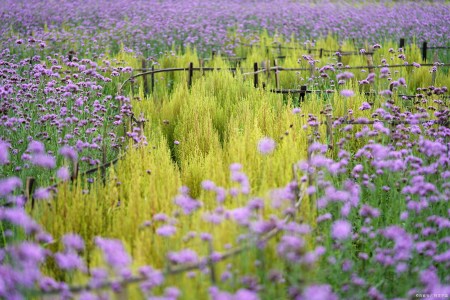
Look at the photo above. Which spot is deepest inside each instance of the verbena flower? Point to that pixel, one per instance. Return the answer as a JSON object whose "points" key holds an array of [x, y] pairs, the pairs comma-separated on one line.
{"points": [[69, 153], [341, 230], [8, 185], [43, 160], [166, 230], [185, 256], [266, 145], [63, 173], [318, 292], [113, 252], [4, 148], [347, 93]]}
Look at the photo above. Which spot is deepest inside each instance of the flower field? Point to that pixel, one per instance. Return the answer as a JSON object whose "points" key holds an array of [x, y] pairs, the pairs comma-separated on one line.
{"points": [[224, 150]]}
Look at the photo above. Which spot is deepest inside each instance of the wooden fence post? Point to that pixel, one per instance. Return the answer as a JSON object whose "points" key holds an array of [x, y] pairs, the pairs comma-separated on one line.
{"points": [[320, 53], [312, 69], [277, 79], [75, 171], [153, 78], [330, 132], [340, 55], [255, 75], [212, 268], [424, 51], [29, 190], [103, 168], [303, 89], [434, 74], [402, 43], [369, 57], [144, 77], [191, 73]]}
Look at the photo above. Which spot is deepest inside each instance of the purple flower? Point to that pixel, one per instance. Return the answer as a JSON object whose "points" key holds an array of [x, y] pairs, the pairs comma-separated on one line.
{"points": [[347, 93], [341, 230], [172, 293], [42, 193], [185, 256], [241, 215], [443, 257], [291, 247], [187, 203], [113, 252], [63, 173], [4, 152], [43, 160], [296, 110], [8, 185], [246, 294], [234, 167], [69, 153], [73, 242], [318, 292], [19, 217], [176, 142], [36, 147], [69, 261], [208, 185], [365, 106], [266, 145], [153, 277], [166, 230], [344, 76]]}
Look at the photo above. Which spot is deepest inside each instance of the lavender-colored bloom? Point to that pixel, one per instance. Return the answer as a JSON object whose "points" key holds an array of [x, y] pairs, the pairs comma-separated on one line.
{"points": [[43, 160], [63, 173], [241, 215], [296, 110], [166, 230], [153, 277], [341, 230], [318, 292], [347, 93], [36, 147], [69, 153], [187, 203], [365, 106], [266, 145], [208, 185], [246, 294], [4, 147], [234, 167], [113, 252], [69, 261], [73, 242], [8, 185], [19, 217], [88, 296], [172, 293], [291, 247], [185, 256], [42, 193], [344, 76]]}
